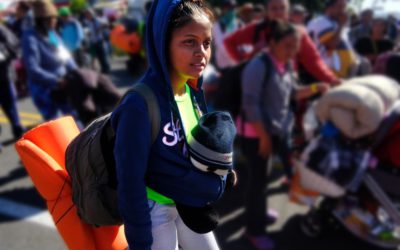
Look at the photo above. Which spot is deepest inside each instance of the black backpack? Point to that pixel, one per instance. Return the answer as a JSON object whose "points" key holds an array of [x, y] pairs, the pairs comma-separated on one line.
{"points": [[230, 86], [90, 163]]}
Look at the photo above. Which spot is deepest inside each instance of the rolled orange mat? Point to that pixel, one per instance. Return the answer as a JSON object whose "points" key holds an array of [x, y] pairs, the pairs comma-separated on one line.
{"points": [[42, 151]]}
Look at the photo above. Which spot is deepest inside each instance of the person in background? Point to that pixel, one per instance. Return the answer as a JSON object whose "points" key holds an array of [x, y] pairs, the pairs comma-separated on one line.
{"points": [[105, 21], [377, 42], [71, 33], [9, 44], [298, 14], [96, 40], [363, 29], [23, 19], [245, 13], [393, 30], [255, 35], [46, 62], [258, 12], [226, 24], [268, 87], [328, 34]]}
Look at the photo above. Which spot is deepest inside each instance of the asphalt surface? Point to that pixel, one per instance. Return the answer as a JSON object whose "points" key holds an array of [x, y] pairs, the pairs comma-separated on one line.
{"points": [[26, 224]]}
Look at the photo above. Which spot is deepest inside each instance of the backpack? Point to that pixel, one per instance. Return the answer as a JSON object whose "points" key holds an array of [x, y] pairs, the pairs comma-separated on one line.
{"points": [[230, 86], [90, 163]]}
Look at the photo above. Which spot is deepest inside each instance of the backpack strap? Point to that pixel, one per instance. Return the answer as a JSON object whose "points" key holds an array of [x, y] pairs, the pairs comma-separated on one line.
{"points": [[268, 71], [152, 105], [268, 67]]}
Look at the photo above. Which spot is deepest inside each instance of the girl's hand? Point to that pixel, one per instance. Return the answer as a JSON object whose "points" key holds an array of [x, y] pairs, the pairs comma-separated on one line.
{"points": [[264, 146], [323, 87]]}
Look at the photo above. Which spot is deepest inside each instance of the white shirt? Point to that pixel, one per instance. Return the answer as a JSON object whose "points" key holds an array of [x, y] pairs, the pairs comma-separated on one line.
{"points": [[223, 60]]}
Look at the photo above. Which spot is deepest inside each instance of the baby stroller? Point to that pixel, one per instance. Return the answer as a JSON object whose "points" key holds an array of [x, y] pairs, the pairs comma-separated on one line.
{"points": [[358, 180]]}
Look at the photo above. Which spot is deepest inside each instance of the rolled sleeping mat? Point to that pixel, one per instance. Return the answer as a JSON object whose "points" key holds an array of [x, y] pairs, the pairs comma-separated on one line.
{"points": [[42, 152]]}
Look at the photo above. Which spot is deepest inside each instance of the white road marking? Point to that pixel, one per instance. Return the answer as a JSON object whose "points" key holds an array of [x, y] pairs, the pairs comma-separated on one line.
{"points": [[26, 213]]}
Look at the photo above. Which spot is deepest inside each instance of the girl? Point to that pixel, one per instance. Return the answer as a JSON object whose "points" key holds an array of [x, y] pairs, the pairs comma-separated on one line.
{"points": [[268, 86], [152, 177]]}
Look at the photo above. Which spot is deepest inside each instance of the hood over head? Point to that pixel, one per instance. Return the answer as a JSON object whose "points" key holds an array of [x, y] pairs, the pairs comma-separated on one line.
{"points": [[156, 34]]}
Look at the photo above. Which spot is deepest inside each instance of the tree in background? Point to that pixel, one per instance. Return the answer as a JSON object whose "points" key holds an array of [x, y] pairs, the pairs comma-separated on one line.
{"points": [[77, 5]]}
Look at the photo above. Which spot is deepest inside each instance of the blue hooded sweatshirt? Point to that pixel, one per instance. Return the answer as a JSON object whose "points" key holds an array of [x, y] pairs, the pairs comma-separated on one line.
{"points": [[164, 165]]}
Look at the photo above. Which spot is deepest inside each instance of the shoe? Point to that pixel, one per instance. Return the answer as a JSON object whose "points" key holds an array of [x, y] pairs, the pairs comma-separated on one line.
{"points": [[272, 216], [18, 131], [260, 242]]}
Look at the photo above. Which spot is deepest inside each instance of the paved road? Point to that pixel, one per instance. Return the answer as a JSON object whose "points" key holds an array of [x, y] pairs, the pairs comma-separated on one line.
{"points": [[26, 224]]}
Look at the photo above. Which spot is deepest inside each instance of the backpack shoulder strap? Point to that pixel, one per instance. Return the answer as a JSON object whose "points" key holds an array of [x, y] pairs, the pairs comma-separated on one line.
{"points": [[152, 105], [268, 67]]}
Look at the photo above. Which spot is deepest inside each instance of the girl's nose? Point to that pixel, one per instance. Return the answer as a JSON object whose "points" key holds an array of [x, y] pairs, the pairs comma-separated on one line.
{"points": [[200, 51]]}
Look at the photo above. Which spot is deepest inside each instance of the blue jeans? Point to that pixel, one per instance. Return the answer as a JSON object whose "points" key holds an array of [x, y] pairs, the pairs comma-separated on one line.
{"points": [[170, 233]]}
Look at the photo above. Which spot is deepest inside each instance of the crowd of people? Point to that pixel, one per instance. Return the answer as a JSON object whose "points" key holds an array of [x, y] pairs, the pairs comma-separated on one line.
{"points": [[41, 45], [291, 56], [307, 56]]}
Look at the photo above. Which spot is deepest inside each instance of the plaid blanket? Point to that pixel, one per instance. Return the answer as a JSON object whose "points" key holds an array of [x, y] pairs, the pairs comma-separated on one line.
{"points": [[338, 160]]}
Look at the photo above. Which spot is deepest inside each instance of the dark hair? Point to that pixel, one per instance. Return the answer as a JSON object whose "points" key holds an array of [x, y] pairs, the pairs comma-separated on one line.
{"points": [[186, 11], [147, 6], [41, 24], [279, 30], [24, 6]]}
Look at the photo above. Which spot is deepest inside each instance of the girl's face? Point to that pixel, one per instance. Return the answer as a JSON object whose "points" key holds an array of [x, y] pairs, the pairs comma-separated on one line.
{"points": [[286, 48], [278, 10], [190, 50]]}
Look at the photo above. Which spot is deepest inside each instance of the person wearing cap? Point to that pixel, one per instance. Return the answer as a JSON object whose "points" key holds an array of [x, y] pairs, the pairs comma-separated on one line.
{"points": [[227, 23], [71, 32], [298, 14], [47, 62], [245, 12], [377, 42], [329, 34], [255, 35]]}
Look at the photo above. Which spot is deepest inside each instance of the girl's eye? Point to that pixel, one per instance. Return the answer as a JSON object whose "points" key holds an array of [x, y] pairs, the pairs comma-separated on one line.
{"points": [[190, 42], [207, 44]]}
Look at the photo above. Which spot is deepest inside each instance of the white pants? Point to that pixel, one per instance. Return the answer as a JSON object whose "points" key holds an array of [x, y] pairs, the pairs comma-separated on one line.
{"points": [[170, 233]]}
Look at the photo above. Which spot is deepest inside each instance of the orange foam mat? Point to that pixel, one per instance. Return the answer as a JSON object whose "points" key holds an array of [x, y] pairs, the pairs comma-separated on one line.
{"points": [[42, 151]]}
